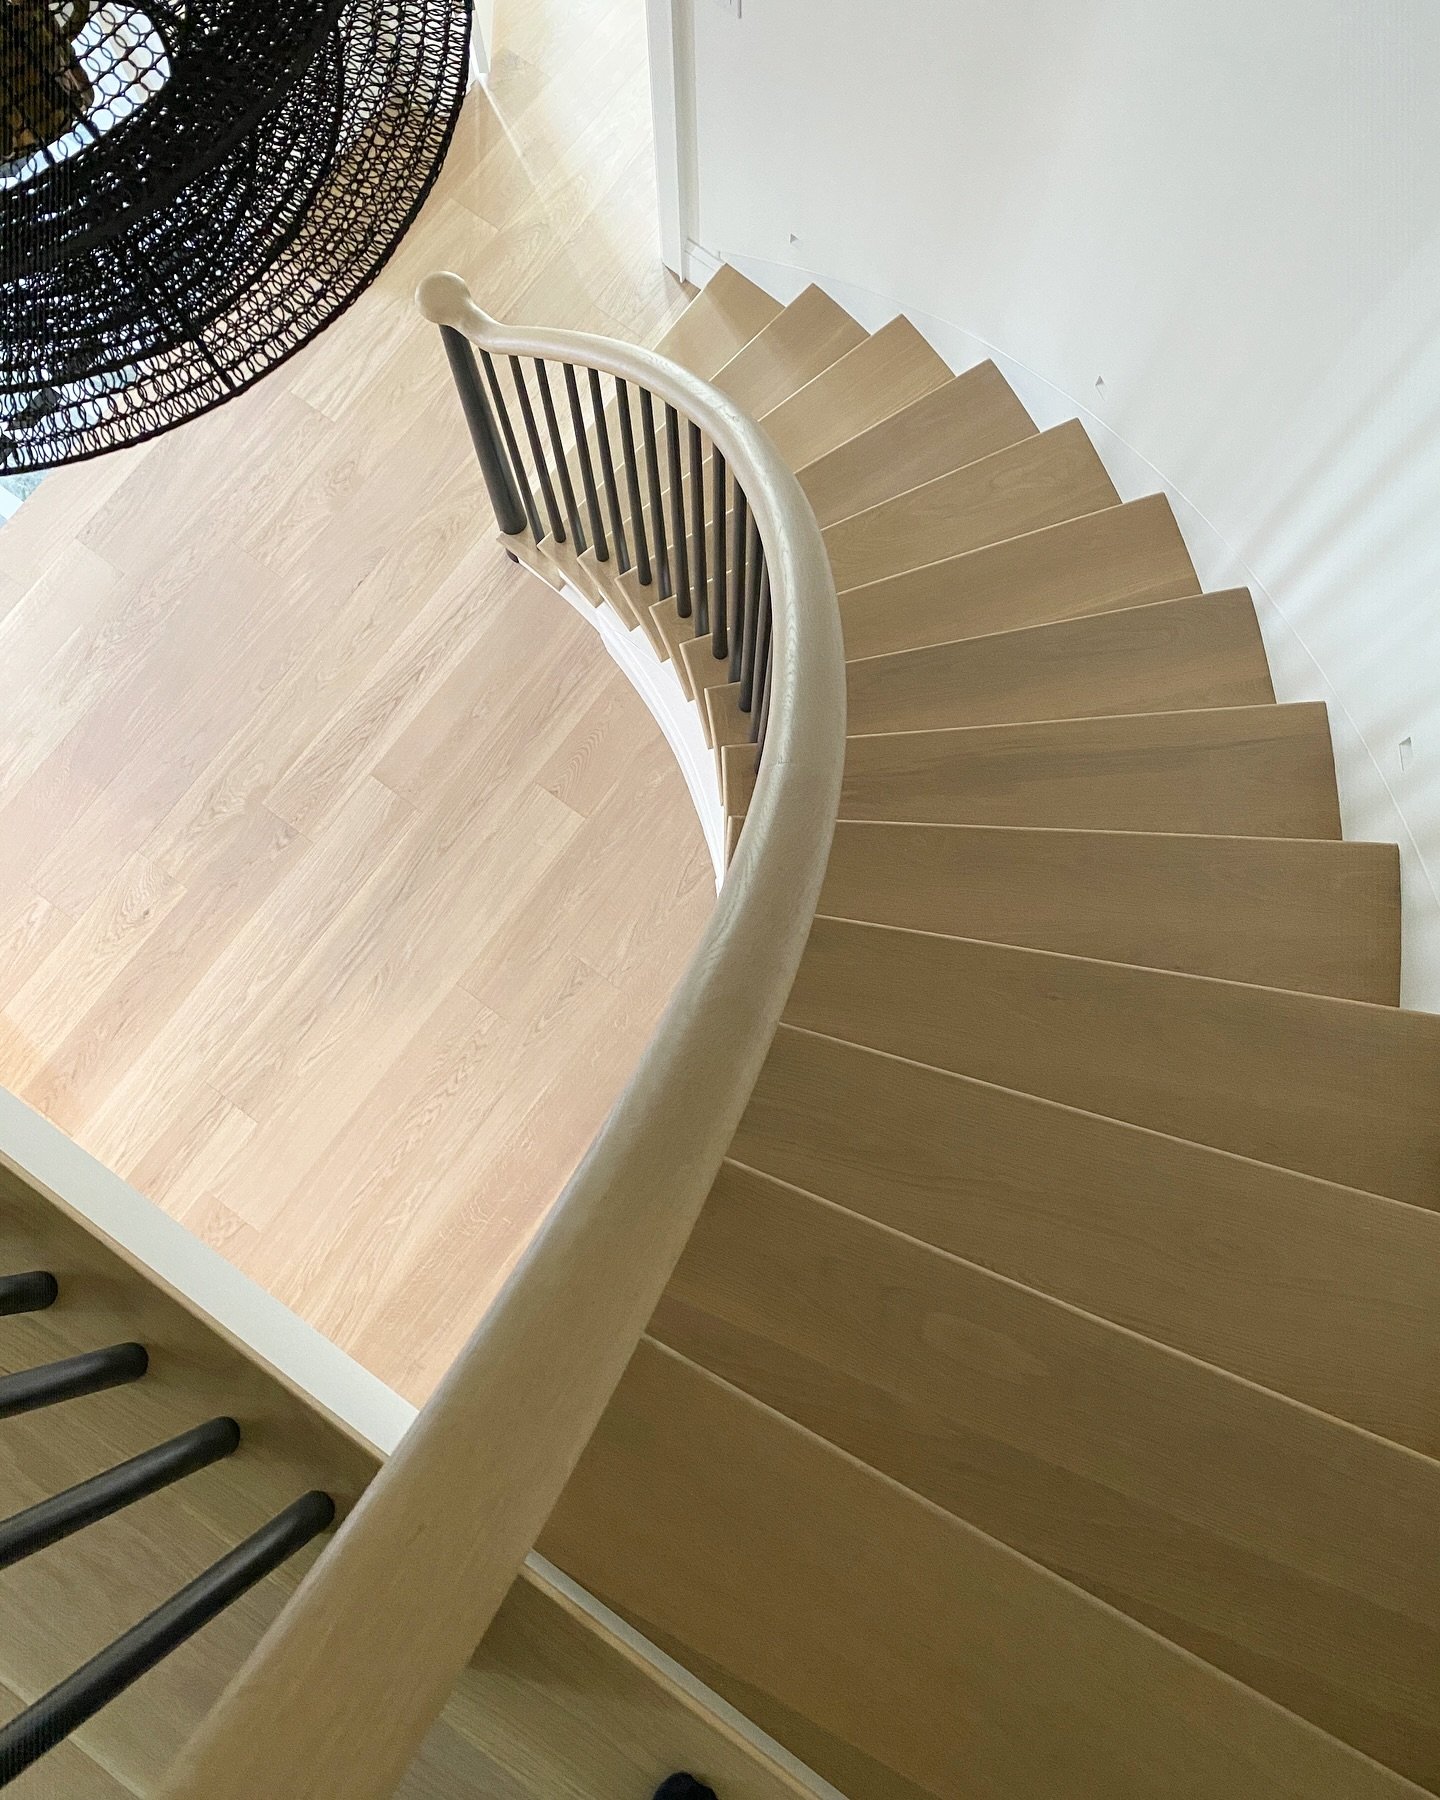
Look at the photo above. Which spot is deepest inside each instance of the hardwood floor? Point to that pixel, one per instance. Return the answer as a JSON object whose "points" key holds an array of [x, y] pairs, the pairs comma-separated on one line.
{"points": [[344, 876]]}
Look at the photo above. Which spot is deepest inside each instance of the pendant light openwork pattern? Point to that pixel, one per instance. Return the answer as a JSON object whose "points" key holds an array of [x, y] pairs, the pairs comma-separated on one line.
{"points": [[191, 189]]}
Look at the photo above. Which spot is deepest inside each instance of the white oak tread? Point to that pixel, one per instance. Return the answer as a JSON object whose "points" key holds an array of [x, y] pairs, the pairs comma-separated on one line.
{"points": [[812, 332], [1318, 916], [718, 323], [969, 417], [1169, 656], [1280, 1077], [882, 374], [1285, 1547], [1254, 771], [947, 1658], [704, 670], [674, 633], [1325, 1293], [1043, 479], [1127, 555]]}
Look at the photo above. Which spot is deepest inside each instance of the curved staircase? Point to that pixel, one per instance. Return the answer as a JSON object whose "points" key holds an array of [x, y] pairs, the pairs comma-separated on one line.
{"points": [[1046, 1401], [1044, 1405]]}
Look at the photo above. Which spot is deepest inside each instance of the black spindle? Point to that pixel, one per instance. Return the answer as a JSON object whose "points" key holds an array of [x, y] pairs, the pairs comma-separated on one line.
{"points": [[754, 578], [80, 1696], [512, 448], [48, 1521], [607, 473], [720, 586], [761, 690], [699, 583], [537, 451], [632, 483], [499, 482], [30, 1292], [677, 513], [90, 1373], [738, 565], [587, 468], [562, 462], [652, 483]]}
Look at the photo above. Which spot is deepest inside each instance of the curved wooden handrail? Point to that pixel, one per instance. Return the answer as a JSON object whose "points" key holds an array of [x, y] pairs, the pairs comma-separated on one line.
{"points": [[338, 1695]]}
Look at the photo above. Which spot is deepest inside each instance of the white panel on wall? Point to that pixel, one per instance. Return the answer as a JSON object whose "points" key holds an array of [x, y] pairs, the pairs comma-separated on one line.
{"points": [[1213, 227]]}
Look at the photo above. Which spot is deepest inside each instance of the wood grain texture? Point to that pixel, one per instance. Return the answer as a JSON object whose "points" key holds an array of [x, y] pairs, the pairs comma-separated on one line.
{"points": [[1291, 1550], [727, 313], [1261, 771], [1040, 481], [812, 332], [880, 376], [1170, 656], [942, 1655], [1123, 556], [1317, 1291], [1321, 917], [274, 776], [972, 416], [1276, 1076]]}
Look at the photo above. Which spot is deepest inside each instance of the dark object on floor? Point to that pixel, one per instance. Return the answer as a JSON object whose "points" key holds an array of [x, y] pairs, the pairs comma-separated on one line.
{"points": [[204, 188], [684, 1787]]}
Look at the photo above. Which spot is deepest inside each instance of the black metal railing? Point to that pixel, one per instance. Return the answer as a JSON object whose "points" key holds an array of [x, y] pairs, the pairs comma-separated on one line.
{"points": [[47, 1523], [641, 491]]}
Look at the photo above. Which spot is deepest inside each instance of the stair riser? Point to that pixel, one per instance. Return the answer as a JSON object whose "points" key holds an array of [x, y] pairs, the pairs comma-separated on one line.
{"points": [[1286, 1548], [1315, 917]]}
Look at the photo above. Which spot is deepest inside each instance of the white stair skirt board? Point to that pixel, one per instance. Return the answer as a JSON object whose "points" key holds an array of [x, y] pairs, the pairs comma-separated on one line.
{"points": [[657, 684], [55, 1165]]}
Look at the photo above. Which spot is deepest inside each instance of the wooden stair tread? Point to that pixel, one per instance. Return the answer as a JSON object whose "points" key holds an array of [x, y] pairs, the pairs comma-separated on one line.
{"points": [[882, 374], [804, 338], [1043, 479], [943, 1655], [722, 318], [1123, 556], [1168, 656], [1256, 771], [1280, 1077], [969, 417], [1285, 1547], [1322, 1292], [1318, 916]]}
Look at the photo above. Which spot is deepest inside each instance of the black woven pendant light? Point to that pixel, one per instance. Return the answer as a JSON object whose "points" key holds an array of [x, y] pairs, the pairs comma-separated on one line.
{"points": [[191, 189]]}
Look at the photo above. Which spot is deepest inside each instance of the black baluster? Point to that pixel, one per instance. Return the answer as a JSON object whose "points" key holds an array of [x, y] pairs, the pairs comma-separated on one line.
{"points": [[27, 1293], [499, 482], [762, 662], [562, 464], [754, 577], [53, 1717], [537, 451], [699, 584], [652, 482], [737, 582], [677, 513], [89, 1373], [47, 1522], [607, 473], [587, 468], [719, 585], [632, 484], [512, 448], [764, 711]]}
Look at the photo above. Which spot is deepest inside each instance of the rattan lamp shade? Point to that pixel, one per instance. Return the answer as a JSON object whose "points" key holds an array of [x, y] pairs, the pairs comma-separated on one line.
{"points": [[191, 189]]}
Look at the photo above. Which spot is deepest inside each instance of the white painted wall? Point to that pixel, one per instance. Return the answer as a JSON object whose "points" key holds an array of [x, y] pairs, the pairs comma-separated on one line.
{"points": [[1228, 213]]}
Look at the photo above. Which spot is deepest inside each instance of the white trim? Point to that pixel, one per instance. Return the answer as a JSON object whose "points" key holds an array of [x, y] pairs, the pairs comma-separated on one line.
{"points": [[657, 684], [56, 1166], [671, 98], [482, 40]]}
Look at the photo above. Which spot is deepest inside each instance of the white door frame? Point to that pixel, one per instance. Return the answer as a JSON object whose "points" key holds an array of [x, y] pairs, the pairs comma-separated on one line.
{"points": [[671, 105]]}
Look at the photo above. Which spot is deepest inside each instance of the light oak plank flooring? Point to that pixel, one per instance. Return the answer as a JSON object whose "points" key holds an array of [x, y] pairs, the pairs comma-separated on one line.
{"points": [[345, 877]]}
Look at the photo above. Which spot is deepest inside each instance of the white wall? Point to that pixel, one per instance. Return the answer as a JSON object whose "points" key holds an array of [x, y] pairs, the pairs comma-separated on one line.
{"points": [[1227, 212]]}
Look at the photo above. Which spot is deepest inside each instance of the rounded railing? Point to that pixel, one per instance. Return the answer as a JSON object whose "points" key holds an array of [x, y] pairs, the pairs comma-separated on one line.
{"points": [[341, 1690]]}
